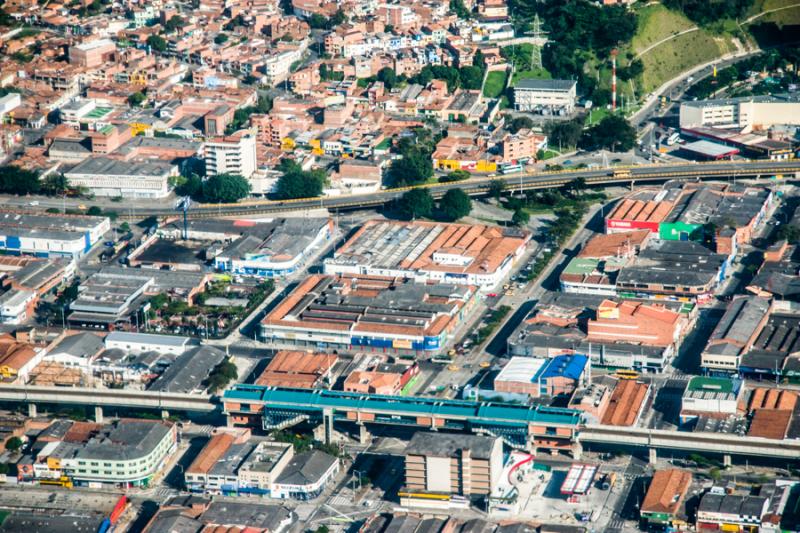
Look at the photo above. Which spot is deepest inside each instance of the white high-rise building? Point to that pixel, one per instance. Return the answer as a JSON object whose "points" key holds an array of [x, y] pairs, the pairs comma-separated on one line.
{"points": [[234, 154]]}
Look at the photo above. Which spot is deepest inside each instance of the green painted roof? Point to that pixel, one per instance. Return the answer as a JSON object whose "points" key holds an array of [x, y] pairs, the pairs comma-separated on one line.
{"points": [[712, 384], [481, 412]]}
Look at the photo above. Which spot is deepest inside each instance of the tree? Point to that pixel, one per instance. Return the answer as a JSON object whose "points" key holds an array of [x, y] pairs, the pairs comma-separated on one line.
{"points": [[496, 188], [564, 134], [705, 12], [125, 227], [317, 21], [14, 444], [416, 203], [458, 7], [192, 186], [456, 175], [388, 76], [479, 60], [55, 184], [455, 204], [221, 38], [634, 69], [614, 133], [94, 211], [714, 473], [337, 19], [414, 168], [136, 99], [520, 217], [520, 123], [471, 77], [157, 43], [298, 183], [789, 232], [174, 23], [16, 180], [225, 188]]}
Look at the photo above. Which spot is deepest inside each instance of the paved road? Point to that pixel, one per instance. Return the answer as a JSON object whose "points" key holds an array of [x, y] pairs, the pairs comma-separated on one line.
{"points": [[474, 186], [480, 185]]}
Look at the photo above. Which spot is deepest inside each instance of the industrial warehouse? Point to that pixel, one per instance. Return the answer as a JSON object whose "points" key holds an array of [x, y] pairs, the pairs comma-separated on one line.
{"points": [[369, 312], [68, 236], [450, 253]]}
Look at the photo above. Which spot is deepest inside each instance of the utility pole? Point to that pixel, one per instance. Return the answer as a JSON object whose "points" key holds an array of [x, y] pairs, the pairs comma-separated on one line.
{"points": [[614, 53]]}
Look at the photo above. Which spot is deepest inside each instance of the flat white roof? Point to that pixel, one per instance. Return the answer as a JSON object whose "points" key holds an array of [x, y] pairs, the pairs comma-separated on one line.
{"points": [[146, 338], [521, 369]]}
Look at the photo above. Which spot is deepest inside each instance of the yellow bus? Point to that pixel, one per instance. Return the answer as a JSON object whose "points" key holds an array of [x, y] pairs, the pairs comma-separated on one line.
{"points": [[622, 173], [626, 374]]}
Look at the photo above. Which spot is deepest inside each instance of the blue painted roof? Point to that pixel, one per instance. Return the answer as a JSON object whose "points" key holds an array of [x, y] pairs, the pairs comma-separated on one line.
{"points": [[482, 412], [570, 366]]}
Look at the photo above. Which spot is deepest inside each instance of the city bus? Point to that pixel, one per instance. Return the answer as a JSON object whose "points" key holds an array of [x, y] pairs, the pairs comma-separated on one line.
{"points": [[510, 168], [626, 374], [622, 173]]}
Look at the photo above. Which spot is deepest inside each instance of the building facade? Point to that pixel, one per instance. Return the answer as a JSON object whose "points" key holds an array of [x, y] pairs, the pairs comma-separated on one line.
{"points": [[235, 154]]}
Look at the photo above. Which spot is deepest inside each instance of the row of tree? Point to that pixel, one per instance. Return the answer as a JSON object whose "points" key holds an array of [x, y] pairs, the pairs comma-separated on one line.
{"points": [[705, 12], [16, 180], [418, 203], [221, 188]]}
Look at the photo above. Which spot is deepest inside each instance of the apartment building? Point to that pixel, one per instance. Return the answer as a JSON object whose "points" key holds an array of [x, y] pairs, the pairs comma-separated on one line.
{"points": [[447, 464], [523, 145], [234, 154], [125, 453], [92, 54]]}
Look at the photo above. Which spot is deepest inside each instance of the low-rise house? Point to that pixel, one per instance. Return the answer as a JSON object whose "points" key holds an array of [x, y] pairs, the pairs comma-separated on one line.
{"points": [[664, 501]]}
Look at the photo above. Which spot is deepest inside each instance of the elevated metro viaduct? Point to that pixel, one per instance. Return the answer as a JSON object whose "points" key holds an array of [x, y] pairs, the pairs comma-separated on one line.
{"points": [[520, 426]]}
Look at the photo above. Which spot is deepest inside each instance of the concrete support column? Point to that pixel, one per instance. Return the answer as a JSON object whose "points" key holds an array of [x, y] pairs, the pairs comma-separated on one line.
{"points": [[98, 414], [32, 412], [229, 421], [577, 450], [653, 456], [364, 436], [726, 460], [327, 422], [164, 414]]}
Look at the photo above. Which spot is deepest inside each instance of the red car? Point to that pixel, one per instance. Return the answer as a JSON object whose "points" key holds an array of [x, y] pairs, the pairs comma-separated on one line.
{"points": [[492, 295]]}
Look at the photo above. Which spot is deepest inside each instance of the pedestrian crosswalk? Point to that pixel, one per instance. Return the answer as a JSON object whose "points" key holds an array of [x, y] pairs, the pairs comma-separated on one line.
{"points": [[341, 500], [199, 430], [615, 525], [163, 493]]}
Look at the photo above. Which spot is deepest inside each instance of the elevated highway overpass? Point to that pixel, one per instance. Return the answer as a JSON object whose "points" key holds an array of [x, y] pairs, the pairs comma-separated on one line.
{"points": [[477, 186], [719, 443], [99, 398], [519, 426]]}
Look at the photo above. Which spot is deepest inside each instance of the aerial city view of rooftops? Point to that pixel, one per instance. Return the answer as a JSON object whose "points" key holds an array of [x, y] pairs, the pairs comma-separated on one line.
{"points": [[464, 266]]}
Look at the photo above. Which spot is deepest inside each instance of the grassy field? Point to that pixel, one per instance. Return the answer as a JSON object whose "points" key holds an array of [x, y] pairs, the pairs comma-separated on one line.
{"points": [[541, 74], [656, 22], [495, 83], [786, 17], [765, 5], [680, 54]]}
